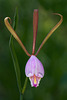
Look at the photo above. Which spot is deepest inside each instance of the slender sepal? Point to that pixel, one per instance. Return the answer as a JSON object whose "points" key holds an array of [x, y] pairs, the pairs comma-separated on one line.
{"points": [[35, 26], [50, 33], [9, 27]]}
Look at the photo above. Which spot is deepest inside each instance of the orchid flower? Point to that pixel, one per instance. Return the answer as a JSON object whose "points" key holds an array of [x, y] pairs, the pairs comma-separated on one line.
{"points": [[34, 68]]}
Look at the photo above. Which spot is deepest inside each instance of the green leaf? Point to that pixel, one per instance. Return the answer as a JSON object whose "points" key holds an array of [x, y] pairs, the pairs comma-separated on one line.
{"points": [[15, 19], [13, 53]]}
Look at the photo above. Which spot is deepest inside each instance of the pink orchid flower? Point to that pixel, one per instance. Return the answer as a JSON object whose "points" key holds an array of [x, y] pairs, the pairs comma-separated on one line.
{"points": [[34, 68]]}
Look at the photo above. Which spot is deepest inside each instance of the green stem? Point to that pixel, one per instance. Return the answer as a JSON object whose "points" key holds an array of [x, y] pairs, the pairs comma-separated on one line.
{"points": [[23, 90], [21, 97], [25, 84]]}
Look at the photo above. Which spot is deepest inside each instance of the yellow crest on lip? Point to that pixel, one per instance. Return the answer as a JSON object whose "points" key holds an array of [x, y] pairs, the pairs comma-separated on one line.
{"points": [[35, 79]]}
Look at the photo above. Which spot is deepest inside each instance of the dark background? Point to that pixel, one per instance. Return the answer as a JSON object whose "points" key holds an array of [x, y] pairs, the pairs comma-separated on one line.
{"points": [[53, 55]]}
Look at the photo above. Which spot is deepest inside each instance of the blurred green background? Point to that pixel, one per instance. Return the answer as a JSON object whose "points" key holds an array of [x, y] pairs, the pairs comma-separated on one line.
{"points": [[53, 55]]}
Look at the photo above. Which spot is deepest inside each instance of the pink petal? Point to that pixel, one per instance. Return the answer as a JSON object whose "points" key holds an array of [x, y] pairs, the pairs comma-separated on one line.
{"points": [[34, 66]]}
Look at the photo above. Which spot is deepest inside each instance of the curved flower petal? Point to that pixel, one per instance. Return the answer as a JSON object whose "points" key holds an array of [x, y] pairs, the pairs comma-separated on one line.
{"points": [[34, 66]]}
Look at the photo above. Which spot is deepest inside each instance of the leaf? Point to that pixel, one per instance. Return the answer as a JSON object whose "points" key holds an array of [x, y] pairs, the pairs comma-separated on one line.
{"points": [[13, 53], [15, 19]]}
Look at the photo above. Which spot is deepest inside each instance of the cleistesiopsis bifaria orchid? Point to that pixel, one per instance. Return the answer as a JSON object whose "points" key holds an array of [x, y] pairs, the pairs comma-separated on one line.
{"points": [[34, 68]]}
